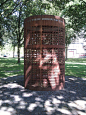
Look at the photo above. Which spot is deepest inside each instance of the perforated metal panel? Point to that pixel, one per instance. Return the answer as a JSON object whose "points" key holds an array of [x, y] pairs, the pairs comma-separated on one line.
{"points": [[44, 52]]}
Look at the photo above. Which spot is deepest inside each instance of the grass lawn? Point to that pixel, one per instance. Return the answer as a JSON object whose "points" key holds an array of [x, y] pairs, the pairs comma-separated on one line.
{"points": [[10, 67], [76, 67]]}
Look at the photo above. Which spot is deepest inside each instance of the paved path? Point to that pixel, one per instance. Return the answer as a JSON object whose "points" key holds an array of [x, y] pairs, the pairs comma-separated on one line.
{"points": [[75, 63], [15, 100]]}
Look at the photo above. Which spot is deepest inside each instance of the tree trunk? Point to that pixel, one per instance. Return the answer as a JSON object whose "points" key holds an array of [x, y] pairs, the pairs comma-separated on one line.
{"points": [[19, 47], [19, 35], [13, 50], [18, 53]]}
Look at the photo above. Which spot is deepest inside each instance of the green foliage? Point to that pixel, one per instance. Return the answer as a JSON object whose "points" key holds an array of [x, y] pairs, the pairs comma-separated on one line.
{"points": [[14, 13], [76, 12]]}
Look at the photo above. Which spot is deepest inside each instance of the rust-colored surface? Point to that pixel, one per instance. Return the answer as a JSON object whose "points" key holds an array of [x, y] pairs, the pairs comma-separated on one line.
{"points": [[44, 52]]}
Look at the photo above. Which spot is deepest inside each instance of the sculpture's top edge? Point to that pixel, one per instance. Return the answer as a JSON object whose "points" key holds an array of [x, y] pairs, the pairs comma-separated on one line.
{"points": [[43, 17]]}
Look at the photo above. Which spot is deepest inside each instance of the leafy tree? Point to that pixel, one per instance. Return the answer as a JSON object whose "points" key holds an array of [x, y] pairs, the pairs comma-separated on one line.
{"points": [[13, 22], [76, 12], [69, 35], [12, 11]]}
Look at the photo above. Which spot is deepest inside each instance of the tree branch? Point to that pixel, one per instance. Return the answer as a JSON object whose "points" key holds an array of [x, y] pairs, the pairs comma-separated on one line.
{"points": [[12, 11]]}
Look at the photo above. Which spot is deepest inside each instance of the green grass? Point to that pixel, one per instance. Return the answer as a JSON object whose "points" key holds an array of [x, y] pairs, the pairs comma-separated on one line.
{"points": [[76, 68], [10, 67]]}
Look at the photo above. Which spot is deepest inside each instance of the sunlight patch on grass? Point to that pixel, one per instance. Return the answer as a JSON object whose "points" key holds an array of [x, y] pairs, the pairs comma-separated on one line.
{"points": [[10, 67], [75, 70], [75, 66]]}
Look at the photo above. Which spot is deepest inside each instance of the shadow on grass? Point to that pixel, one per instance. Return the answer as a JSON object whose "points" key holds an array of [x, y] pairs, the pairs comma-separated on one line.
{"points": [[15, 100]]}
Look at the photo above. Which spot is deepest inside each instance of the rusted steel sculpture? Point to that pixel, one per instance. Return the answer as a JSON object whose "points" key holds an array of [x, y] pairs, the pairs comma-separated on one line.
{"points": [[44, 52]]}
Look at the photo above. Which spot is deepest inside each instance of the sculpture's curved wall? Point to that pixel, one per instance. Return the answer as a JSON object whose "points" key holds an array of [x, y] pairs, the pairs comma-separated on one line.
{"points": [[44, 52]]}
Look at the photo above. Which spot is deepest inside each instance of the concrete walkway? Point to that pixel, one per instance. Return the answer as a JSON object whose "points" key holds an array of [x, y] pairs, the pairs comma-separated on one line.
{"points": [[15, 100]]}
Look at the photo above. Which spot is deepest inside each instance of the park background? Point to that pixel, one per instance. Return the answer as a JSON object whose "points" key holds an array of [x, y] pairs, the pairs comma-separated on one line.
{"points": [[12, 18], [14, 98]]}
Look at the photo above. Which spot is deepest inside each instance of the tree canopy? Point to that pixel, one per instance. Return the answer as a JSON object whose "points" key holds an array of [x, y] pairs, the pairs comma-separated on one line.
{"points": [[76, 13]]}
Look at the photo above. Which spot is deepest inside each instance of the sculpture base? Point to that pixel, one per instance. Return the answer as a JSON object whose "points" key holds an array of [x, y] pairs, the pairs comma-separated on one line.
{"points": [[41, 88]]}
